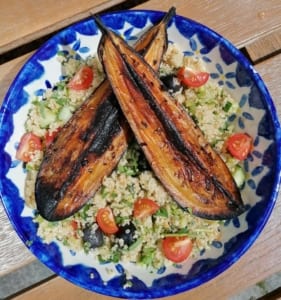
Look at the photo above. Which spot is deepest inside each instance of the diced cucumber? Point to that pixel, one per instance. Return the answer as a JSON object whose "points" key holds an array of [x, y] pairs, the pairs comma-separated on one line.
{"points": [[239, 176], [47, 117], [135, 244], [65, 113]]}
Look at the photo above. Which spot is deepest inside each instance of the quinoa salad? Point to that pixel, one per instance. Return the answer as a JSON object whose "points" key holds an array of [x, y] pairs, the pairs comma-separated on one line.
{"points": [[138, 239]]}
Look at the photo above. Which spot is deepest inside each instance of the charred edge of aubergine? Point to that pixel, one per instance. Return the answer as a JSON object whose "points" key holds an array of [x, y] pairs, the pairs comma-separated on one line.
{"points": [[103, 111], [107, 127], [47, 198], [47, 204], [236, 206], [143, 39], [165, 21]]}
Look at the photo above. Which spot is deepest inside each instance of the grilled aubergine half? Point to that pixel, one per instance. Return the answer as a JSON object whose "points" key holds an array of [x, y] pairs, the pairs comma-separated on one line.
{"points": [[91, 143], [191, 171]]}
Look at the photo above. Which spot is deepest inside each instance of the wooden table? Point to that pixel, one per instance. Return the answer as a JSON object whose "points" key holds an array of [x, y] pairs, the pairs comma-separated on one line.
{"points": [[253, 26]]}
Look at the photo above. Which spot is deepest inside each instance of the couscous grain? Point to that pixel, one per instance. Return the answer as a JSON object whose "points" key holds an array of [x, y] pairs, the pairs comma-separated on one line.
{"points": [[210, 106]]}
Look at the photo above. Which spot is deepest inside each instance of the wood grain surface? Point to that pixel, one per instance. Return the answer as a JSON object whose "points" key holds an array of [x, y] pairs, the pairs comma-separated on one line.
{"points": [[268, 45], [240, 21], [26, 20], [13, 253]]}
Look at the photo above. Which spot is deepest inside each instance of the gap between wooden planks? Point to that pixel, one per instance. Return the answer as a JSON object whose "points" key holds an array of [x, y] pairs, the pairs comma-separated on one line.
{"points": [[265, 46]]}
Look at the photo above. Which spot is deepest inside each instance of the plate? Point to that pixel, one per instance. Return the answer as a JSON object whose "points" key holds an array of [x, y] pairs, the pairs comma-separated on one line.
{"points": [[230, 69]]}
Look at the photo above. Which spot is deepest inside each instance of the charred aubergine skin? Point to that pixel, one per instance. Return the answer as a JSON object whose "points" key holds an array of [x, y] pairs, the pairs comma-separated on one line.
{"points": [[192, 172], [90, 144]]}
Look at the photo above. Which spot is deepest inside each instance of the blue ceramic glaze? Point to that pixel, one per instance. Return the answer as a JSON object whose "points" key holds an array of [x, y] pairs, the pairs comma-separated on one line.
{"points": [[258, 116]]}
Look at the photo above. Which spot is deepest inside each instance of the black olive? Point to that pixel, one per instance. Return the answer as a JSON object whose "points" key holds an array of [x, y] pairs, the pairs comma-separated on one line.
{"points": [[171, 83], [127, 233], [143, 165], [93, 235]]}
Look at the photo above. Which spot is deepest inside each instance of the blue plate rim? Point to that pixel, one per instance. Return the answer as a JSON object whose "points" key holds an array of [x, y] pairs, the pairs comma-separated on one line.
{"points": [[273, 113]]}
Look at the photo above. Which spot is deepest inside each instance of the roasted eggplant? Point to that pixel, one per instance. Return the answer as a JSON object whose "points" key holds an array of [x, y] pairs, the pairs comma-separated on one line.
{"points": [[191, 171], [91, 143]]}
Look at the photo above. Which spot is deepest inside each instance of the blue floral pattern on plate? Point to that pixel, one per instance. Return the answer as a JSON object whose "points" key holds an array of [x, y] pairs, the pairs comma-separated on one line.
{"points": [[257, 116]]}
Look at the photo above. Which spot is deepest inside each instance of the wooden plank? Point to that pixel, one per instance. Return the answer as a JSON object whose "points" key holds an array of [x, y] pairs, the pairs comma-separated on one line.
{"points": [[8, 72], [265, 46], [13, 253], [26, 20], [270, 71], [239, 21], [59, 289]]}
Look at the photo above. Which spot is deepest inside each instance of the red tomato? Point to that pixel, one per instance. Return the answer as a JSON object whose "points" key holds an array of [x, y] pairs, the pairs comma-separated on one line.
{"points": [[82, 80], [105, 220], [145, 207], [192, 78], [50, 136], [177, 248], [29, 143], [239, 145], [74, 224]]}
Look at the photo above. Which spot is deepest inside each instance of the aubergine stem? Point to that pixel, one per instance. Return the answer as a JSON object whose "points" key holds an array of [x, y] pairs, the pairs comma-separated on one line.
{"points": [[177, 150], [90, 144], [144, 43]]}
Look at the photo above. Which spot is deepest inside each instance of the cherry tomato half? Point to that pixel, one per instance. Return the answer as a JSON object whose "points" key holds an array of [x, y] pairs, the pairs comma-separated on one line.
{"points": [[105, 220], [74, 224], [239, 145], [145, 207], [177, 248], [50, 136], [192, 78], [82, 80], [29, 143]]}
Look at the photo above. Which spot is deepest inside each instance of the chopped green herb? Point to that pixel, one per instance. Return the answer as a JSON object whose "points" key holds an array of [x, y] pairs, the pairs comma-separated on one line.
{"points": [[86, 247], [162, 212], [102, 260], [227, 106], [121, 220], [135, 244], [147, 256], [116, 255], [131, 188], [113, 195], [104, 191], [65, 242], [83, 213]]}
